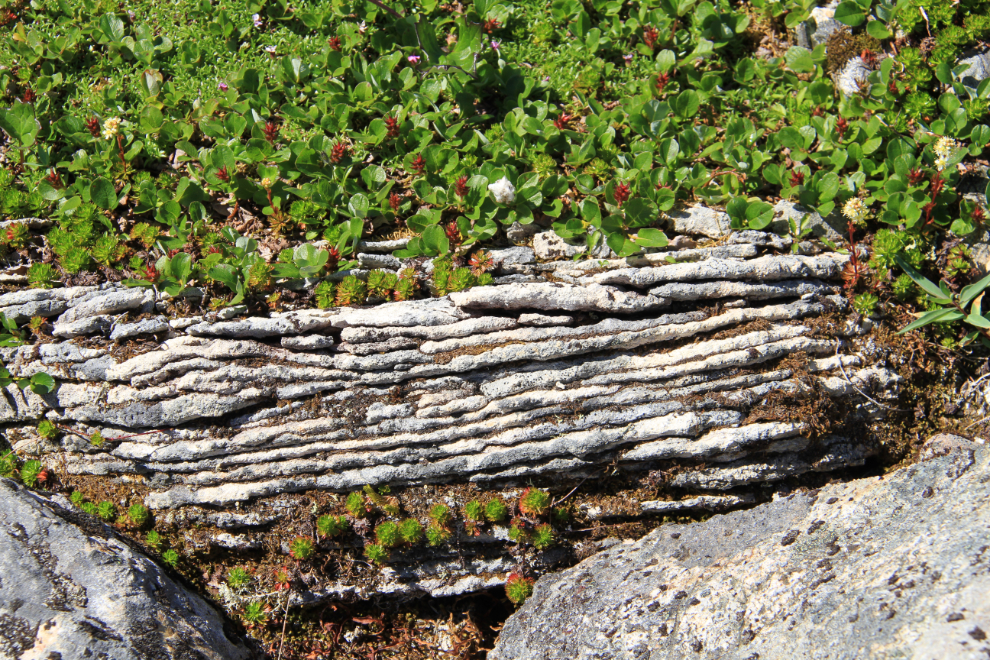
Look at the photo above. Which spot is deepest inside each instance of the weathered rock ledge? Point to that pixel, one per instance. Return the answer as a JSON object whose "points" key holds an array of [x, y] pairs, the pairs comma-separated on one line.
{"points": [[70, 587], [889, 567], [693, 363]]}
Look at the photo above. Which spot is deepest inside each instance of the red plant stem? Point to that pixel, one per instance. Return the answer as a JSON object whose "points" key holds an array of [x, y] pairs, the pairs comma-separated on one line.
{"points": [[120, 149], [275, 211]]}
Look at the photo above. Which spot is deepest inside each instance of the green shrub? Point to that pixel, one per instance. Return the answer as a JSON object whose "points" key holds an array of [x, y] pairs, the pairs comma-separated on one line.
{"points": [[496, 511], [301, 548], [171, 557], [30, 472], [139, 514], [238, 578], [106, 510], [534, 502], [387, 534], [518, 589], [376, 553], [411, 531], [331, 525]]}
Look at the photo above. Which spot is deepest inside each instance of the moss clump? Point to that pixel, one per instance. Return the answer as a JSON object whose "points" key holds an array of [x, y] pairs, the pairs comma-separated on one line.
{"points": [[543, 537], [496, 511], [534, 502], [843, 46], [355, 505], [388, 534], [518, 589], [411, 531], [139, 514], [331, 525], [106, 510], [376, 554], [301, 548], [30, 473], [238, 578], [440, 514], [437, 535]]}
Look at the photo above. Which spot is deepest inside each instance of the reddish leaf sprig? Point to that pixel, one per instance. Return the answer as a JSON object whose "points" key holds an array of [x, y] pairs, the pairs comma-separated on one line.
{"points": [[650, 36], [419, 164], [662, 81], [339, 152], [392, 124], [334, 43], [460, 188], [621, 194], [93, 126], [561, 122], [271, 132]]}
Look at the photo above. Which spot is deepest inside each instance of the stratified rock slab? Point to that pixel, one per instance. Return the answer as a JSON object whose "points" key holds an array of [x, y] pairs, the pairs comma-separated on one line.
{"points": [[69, 591], [693, 363], [890, 567]]}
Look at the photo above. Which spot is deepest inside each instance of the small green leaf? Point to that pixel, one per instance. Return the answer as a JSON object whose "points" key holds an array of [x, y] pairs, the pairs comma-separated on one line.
{"points": [[878, 30], [42, 383], [849, 13], [103, 194], [929, 287], [945, 314]]}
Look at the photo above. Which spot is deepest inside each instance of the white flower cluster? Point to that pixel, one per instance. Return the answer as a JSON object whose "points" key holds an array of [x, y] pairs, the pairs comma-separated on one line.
{"points": [[504, 191], [110, 128], [943, 151], [855, 210]]}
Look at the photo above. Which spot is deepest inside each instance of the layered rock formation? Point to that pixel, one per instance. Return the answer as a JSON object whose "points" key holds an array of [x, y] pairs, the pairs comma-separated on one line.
{"points": [[889, 567], [694, 362], [72, 588]]}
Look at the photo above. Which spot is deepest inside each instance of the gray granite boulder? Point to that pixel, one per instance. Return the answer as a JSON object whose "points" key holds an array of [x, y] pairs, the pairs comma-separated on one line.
{"points": [[890, 567], [72, 588]]}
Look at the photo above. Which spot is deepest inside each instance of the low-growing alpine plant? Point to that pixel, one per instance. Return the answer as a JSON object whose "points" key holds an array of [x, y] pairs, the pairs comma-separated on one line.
{"points": [[316, 130]]}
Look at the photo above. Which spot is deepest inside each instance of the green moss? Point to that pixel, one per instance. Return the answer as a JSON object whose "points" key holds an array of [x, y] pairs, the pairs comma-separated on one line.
{"points": [[47, 430], [238, 578], [437, 535], [518, 589], [106, 510], [30, 472], [387, 534], [171, 557], [534, 502], [441, 515], [139, 514], [301, 548], [474, 511], [376, 553], [496, 511], [331, 525], [356, 506], [543, 537], [411, 531]]}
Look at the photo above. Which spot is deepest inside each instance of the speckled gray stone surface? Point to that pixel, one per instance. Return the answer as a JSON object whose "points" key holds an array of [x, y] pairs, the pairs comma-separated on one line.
{"points": [[72, 588], [880, 568]]}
